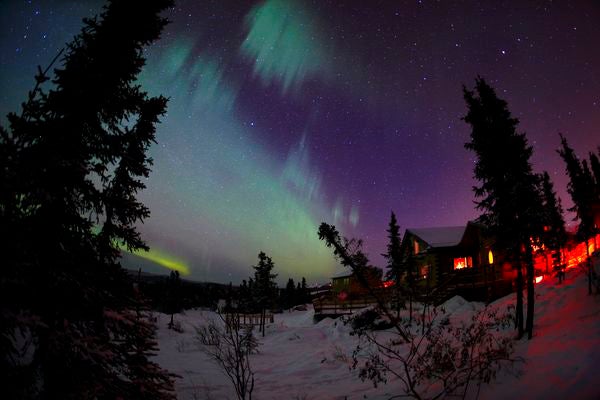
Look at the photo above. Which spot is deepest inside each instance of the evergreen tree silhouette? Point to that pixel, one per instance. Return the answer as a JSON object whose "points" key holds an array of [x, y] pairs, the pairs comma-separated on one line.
{"points": [[393, 255], [265, 288], [595, 167], [173, 296], [244, 296], [349, 253], [72, 163], [138, 345], [582, 191], [264, 280], [554, 236], [508, 194], [290, 294], [251, 303], [304, 296]]}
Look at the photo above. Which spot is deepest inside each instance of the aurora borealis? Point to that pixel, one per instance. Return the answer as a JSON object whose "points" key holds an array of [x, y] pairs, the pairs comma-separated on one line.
{"points": [[283, 114]]}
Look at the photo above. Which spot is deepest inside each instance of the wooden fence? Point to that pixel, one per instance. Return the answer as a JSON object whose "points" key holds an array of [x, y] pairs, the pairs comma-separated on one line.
{"points": [[248, 319]]}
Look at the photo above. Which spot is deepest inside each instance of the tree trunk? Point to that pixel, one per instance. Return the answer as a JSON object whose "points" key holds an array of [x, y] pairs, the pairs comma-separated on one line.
{"points": [[530, 292], [410, 308], [561, 268], [519, 306], [423, 318], [589, 263], [398, 299]]}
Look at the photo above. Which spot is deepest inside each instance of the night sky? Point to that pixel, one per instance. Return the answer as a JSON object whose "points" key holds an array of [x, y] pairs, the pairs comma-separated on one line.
{"points": [[284, 114]]}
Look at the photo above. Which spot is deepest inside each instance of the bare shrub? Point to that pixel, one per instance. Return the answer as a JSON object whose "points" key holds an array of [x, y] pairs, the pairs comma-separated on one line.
{"points": [[430, 356], [440, 360], [230, 344]]}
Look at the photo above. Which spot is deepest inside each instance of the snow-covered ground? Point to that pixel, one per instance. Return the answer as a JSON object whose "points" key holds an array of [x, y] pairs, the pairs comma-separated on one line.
{"points": [[299, 359]]}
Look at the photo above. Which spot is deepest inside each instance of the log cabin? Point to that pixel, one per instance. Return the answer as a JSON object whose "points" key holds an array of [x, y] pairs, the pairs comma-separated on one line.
{"points": [[456, 260]]}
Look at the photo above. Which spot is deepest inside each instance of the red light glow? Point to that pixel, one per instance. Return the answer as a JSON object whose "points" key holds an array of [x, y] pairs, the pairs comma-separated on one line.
{"points": [[578, 254], [572, 257], [538, 279]]}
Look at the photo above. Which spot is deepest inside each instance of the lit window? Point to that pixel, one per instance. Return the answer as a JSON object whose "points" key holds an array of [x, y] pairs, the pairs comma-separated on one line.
{"points": [[463, 262], [490, 257], [416, 247], [424, 271]]}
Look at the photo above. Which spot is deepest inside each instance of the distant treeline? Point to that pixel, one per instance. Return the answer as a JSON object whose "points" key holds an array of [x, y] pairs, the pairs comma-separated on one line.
{"points": [[171, 294]]}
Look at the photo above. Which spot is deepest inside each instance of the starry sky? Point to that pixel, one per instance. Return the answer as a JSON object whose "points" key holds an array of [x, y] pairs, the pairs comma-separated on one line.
{"points": [[284, 114]]}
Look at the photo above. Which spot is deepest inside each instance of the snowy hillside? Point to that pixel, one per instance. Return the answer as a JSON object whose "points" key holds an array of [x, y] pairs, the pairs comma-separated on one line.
{"points": [[299, 359]]}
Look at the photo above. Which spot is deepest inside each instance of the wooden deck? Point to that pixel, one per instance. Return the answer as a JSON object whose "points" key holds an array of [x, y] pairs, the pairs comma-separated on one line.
{"points": [[472, 285]]}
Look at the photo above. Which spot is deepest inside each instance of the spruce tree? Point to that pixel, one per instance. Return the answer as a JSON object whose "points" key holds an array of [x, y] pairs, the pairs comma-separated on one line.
{"points": [[508, 192], [265, 288], [553, 215], [173, 294], [244, 297], [393, 255], [264, 280], [554, 235], [138, 345], [583, 194], [72, 163], [304, 294], [595, 167], [290, 293], [251, 304], [349, 253]]}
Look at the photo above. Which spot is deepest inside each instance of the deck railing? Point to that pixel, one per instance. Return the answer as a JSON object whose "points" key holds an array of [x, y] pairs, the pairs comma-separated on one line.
{"points": [[331, 304]]}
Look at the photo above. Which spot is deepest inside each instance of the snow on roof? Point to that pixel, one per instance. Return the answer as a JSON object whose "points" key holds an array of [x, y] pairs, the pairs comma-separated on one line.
{"points": [[444, 236]]}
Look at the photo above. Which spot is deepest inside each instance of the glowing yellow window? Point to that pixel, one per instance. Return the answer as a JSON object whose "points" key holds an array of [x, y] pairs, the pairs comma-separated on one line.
{"points": [[463, 262]]}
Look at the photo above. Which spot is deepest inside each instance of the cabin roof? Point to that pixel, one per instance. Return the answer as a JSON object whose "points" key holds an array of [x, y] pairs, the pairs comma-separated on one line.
{"points": [[342, 274], [445, 236]]}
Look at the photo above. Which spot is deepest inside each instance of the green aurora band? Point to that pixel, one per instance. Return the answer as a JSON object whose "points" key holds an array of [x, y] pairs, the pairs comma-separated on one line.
{"points": [[217, 195], [156, 256], [164, 260], [285, 43]]}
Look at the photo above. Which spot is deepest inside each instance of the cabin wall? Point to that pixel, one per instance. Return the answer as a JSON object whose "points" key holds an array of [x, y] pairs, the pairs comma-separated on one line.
{"points": [[352, 286], [341, 284]]}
